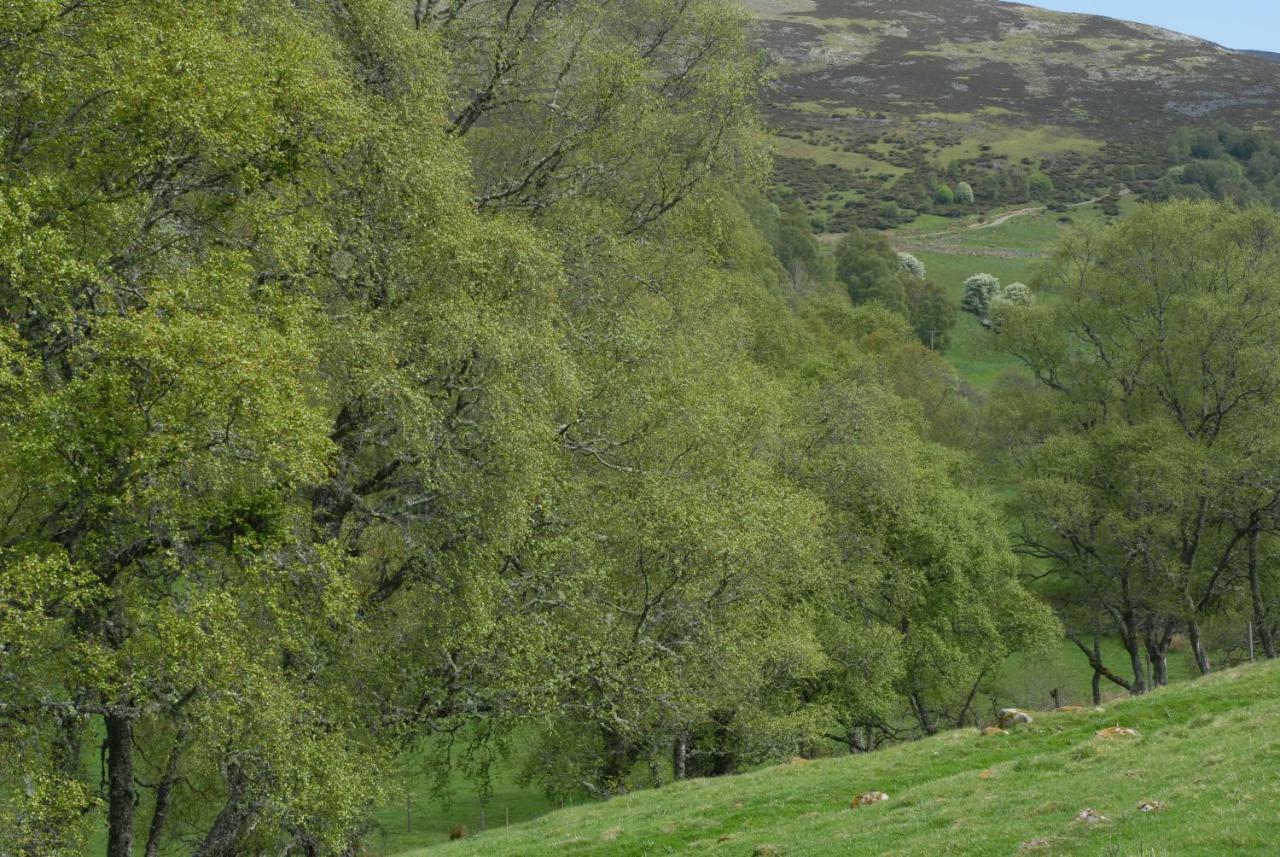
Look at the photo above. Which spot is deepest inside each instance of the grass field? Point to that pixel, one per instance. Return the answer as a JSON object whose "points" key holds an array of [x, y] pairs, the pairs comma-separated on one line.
{"points": [[1012, 251], [422, 818], [1207, 751], [1026, 681]]}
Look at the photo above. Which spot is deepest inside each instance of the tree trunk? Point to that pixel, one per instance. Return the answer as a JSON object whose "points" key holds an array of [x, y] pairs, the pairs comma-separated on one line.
{"points": [[1197, 647], [927, 721], [234, 821], [1261, 621], [122, 797], [164, 797], [1158, 644], [619, 757], [1130, 639], [680, 757], [1097, 672]]}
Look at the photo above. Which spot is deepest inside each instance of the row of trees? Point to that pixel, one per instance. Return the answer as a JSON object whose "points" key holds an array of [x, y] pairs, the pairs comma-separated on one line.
{"points": [[364, 381], [1145, 446]]}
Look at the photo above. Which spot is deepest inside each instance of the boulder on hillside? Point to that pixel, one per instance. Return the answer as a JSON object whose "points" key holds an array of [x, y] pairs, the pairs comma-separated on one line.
{"points": [[1116, 732], [1009, 717], [868, 799]]}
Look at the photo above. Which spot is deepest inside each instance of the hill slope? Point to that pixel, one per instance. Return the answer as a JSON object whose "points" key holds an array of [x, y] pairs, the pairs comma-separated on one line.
{"points": [[917, 57], [1209, 751], [879, 101]]}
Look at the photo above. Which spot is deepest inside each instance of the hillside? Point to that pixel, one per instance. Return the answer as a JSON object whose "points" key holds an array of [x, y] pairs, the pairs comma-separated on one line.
{"points": [[1208, 752], [873, 95]]}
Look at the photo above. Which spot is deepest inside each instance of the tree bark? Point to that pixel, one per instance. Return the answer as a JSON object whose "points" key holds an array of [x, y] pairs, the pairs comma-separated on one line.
{"points": [[1099, 668], [164, 798], [122, 797], [927, 721], [1130, 639], [1197, 647], [234, 821], [1261, 621], [1158, 643], [1097, 671], [680, 757]]}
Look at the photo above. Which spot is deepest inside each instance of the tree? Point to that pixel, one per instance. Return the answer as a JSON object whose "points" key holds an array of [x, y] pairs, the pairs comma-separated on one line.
{"points": [[870, 270], [979, 291], [575, 86], [931, 598], [271, 386], [932, 313], [964, 193], [1145, 481], [1040, 186], [944, 195], [912, 265]]}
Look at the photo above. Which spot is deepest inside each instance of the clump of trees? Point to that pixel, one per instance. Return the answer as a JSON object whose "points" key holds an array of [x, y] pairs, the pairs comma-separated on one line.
{"points": [[870, 270], [362, 383], [985, 298], [1145, 449], [1222, 163]]}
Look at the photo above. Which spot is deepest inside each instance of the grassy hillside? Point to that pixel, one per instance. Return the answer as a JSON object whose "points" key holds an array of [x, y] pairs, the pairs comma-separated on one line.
{"points": [[1011, 249], [1209, 751]]}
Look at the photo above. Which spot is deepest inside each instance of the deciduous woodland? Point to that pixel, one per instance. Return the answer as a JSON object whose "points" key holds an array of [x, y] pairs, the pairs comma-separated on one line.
{"points": [[378, 372]]}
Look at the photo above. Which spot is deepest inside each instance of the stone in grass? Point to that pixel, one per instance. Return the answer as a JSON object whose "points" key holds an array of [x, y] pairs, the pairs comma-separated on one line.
{"points": [[1090, 816], [1152, 806], [1116, 732], [989, 731], [868, 799], [769, 851], [1012, 717]]}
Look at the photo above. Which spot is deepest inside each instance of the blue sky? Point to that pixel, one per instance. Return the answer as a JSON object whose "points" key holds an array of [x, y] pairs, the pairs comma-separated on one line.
{"points": [[1234, 23]]}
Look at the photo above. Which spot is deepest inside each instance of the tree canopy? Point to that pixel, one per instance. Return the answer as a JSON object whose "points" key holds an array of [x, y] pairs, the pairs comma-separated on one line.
{"points": [[376, 375]]}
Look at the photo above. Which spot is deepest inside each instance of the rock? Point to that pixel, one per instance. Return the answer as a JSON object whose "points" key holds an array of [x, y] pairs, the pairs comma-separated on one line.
{"points": [[1012, 717], [994, 730], [1090, 816], [868, 799], [1152, 806], [1116, 732]]}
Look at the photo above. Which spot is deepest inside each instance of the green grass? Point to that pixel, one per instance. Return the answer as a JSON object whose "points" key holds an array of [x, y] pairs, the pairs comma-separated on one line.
{"points": [[433, 819], [970, 349], [1210, 750], [789, 148], [1012, 251]]}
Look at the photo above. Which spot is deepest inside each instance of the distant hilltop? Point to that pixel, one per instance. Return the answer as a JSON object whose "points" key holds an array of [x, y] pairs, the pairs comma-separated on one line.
{"points": [[948, 59]]}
